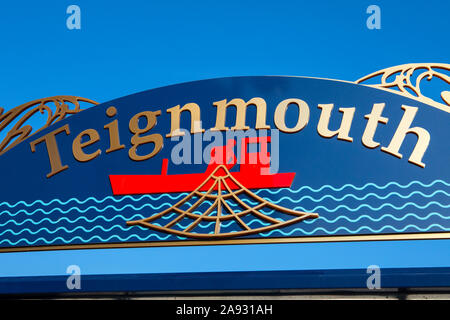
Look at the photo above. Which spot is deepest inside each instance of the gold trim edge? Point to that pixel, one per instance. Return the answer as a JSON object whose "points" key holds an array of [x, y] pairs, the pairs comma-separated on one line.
{"points": [[183, 243]]}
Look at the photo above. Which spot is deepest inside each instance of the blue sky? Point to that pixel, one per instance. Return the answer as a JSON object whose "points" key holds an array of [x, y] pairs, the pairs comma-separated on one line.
{"points": [[125, 47]]}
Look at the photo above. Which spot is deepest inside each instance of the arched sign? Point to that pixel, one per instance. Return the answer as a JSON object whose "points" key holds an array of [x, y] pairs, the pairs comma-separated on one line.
{"points": [[232, 161]]}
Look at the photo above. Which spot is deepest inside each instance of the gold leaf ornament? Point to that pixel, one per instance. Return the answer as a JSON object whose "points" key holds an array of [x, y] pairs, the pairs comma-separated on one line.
{"points": [[407, 80], [18, 116]]}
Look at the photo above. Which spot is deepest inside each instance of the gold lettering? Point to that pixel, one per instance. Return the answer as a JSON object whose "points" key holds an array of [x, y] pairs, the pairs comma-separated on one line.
{"points": [[138, 140], [113, 129], [343, 131], [280, 115], [52, 149], [175, 113], [77, 146], [241, 110], [423, 138], [372, 122]]}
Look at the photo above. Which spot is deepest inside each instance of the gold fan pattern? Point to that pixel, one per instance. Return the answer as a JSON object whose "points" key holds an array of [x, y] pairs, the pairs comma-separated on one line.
{"points": [[220, 180]]}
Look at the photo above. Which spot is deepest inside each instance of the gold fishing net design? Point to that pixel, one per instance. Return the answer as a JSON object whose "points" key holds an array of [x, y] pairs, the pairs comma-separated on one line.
{"points": [[220, 211]]}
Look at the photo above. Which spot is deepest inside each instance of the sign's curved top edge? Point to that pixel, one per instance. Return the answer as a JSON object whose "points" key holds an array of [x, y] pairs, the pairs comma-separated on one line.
{"points": [[47, 128], [401, 75]]}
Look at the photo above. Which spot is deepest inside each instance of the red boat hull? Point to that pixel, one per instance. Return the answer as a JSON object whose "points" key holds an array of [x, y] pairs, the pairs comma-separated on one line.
{"points": [[143, 184], [252, 174]]}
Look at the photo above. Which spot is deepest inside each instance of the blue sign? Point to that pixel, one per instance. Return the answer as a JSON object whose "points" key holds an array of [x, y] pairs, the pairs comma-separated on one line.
{"points": [[238, 160]]}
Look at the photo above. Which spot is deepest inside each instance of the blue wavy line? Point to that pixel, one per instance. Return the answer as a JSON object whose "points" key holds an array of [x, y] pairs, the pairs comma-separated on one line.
{"points": [[87, 209], [95, 200], [232, 204], [370, 184], [262, 234], [12, 214], [359, 198], [170, 215], [296, 208], [342, 206], [155, 198], [225, 225], [384, 216], [13, 243], [136, 216], [374, 208], [65, 229], [268, 234]]}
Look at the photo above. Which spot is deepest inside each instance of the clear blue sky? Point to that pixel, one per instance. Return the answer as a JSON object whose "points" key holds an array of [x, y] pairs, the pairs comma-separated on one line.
{"points": [[125, 47]]}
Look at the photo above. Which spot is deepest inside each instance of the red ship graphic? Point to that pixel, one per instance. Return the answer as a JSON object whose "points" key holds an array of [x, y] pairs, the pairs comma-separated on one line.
{"points": [[254, 172]]}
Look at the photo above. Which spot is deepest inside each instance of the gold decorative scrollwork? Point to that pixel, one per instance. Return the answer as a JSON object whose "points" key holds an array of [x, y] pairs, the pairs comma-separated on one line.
{"points": [[20, 131], [400, 79]]}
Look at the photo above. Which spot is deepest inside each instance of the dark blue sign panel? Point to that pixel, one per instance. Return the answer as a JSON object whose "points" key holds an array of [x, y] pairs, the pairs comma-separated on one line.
{"points": [[232, 161]]}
